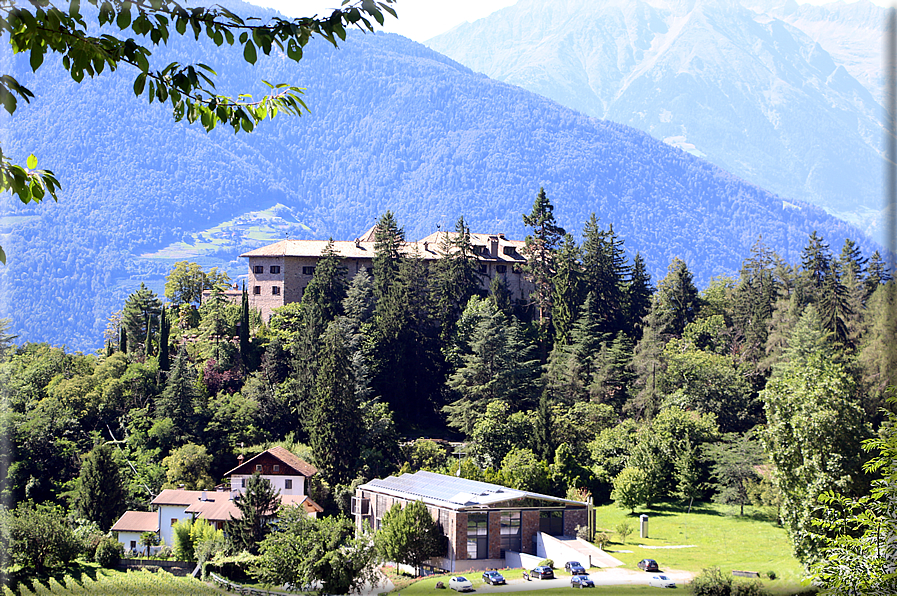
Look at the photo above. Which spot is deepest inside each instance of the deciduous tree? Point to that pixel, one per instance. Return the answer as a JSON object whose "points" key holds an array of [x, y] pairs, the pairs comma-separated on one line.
{"points": [[409, 535]]}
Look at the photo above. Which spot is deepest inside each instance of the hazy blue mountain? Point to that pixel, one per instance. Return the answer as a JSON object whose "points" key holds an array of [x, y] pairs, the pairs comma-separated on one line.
{"points": [[751, 92], [394, 125]]}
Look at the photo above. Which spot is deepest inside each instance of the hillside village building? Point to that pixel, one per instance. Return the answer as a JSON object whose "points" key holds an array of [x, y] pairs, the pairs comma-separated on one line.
{"points": [[286, 472], [279, 272]]}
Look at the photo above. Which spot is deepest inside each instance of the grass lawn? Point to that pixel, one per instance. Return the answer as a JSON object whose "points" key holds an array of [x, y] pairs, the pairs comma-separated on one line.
{"points": [[720, 538]]}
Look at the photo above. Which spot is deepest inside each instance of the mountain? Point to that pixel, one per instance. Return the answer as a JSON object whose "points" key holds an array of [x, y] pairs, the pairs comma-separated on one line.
{"points": [[749, 91], [393, 125]]}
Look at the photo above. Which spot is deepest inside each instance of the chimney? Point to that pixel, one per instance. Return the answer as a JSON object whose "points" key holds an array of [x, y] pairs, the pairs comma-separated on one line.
{"points": [[203, 497], [493, 246], [426, 246], [357, 243], [240, 460]]}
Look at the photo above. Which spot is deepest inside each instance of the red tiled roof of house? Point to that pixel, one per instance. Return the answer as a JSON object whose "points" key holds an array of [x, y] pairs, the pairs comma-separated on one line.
{"points": [[178, 496], [284, 455], [220, 507], [137, 521]]}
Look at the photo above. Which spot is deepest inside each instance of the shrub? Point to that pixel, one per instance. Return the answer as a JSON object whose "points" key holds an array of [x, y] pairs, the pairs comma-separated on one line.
{"points": [[109, 552], [601, 539], [711, 582], [624, 529], [547, 563], [40, 537], [754, 588], [771, 574]]}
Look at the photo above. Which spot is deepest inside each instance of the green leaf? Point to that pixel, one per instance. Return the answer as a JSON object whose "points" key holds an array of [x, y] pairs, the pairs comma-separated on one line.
{"points": [[249, 52], [32, 162], [37, 54], [123, 20], [139, 84], [2, 256]]}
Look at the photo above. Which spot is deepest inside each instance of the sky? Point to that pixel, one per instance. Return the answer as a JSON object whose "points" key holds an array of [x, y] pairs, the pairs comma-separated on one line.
{"points": [[421, 20]]}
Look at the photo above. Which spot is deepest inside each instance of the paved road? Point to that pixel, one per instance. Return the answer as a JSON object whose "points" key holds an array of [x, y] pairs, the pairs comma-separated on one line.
{"points": [[604, 577]]}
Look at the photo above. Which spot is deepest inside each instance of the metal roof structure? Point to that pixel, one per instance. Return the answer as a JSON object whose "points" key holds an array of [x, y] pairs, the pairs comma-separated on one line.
{"points": [[453, 492]]}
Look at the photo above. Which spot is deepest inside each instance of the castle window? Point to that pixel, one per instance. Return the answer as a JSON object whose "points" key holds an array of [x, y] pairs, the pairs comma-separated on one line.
{"points": [[258, 269], [275, 269], [308, 271], [257, 290], [275, 290]]}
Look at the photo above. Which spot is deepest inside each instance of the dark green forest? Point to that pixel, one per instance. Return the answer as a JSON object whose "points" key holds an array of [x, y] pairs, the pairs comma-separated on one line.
{"points": [[755, 389], [392, 125]]}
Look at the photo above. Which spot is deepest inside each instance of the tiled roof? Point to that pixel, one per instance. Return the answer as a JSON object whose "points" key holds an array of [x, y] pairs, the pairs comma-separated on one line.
{"points": [[178, 496], [428, 248], [137, 521], [453, 492], [284, 455], [220, 506]]}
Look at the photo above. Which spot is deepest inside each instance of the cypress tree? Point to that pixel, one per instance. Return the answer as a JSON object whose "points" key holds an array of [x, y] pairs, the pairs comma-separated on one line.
{"points": [[122, 340], [164, 331], [336, 416], [100, 495], [244, 328]]}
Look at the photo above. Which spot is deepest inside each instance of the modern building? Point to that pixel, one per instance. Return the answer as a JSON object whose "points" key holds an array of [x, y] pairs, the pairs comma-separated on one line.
{"points": [[486, 525], [279, 272]]}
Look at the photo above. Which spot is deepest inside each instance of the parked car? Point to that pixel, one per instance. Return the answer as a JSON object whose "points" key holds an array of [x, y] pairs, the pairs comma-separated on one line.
{"points": [[542, 572], [574, 568], [661, 581], [459, 583], [493, 578], [648, 565], [581, 581]]}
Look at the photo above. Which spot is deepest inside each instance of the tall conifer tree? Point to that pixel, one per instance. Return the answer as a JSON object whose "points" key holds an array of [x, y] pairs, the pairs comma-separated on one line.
{"points": [[540, 250]]}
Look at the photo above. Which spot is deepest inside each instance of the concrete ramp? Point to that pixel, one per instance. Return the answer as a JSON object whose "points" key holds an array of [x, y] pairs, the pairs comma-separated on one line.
{"points": [[565, 548]]}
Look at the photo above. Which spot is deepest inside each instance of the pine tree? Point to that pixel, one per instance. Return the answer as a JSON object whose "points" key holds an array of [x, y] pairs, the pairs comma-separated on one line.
{"points": [[179, 398], [637, 298], [676, 303], [257, 503], [605, 274], [389, 239], [877, 273], [500, 296], [816, 259], [455, 277], [834, 308], [543, 438], [335, 417], [100, 495], [327, 287], [567, 289], [540, 251], [140, 316], [755, 297]]}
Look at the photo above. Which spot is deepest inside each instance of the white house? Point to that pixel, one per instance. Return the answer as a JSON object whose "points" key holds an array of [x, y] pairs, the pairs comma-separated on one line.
{"points": [[134, 523]]}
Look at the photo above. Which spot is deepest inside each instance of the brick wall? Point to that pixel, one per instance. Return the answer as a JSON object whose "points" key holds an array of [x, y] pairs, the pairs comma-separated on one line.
{"points": [[460, 537], [529, 527], [573, 518], [494, 522]]}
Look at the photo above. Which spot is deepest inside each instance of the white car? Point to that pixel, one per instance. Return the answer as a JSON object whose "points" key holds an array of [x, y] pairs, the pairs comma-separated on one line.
{"points": [[459, 583], [661, 581]]}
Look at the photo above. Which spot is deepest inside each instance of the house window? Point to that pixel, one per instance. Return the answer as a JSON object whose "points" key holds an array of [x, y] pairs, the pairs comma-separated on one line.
{"points": [[288, 484], [276, 467], [174, 520], [257, 290], [510, 531], [133, 545], [308, 271], [242, 483], [509, 250], [275, 290], [484, 269], [501, 268], [477, 536], [370, 270], [258, 269], [258, 467], [275, 269]]}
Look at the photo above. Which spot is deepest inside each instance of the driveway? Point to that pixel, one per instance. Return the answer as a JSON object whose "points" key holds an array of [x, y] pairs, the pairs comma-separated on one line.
{"points": [[603, 577]]}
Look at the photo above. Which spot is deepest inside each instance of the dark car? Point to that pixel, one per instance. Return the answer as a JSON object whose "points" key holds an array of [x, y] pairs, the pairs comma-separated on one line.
{"points": [[574, 568], [581, 581], [493, 578], [648, 565], [542, 572]]}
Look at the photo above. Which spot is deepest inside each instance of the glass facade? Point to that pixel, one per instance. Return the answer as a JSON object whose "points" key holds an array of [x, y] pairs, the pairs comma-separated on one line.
{"points": [[510, 531], [477, 536]]}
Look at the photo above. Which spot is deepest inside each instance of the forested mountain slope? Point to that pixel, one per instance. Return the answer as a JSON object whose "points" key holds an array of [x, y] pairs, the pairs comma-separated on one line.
{"points": [[394, 125], [749, 90]]}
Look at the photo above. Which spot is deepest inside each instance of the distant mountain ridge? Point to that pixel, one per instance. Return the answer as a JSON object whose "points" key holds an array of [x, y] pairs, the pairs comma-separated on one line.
{"points": [[394, 125], [751, 91]]}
